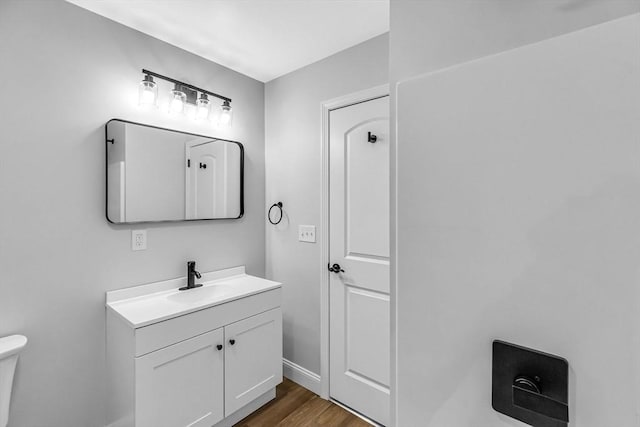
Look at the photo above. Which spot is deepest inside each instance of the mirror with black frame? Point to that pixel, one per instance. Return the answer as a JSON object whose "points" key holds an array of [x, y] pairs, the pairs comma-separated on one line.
{"points": [[156, 174]]}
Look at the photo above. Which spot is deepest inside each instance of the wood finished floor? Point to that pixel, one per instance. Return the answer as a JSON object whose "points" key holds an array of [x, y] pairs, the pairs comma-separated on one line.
{"points": [[295, 406]]}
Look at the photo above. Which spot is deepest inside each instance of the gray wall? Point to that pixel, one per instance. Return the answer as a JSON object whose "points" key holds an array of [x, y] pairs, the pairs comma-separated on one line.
{"points": [[435, 34], [293, 124], [523, 167], [66, 72]]}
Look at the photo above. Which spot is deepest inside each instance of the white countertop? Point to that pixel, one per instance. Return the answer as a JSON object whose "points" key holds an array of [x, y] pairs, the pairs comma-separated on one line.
{"points": [[144, 305]]}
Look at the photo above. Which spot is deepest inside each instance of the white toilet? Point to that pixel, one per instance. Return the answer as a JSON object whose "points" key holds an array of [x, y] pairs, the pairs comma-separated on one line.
{"points": [[10, 347]]}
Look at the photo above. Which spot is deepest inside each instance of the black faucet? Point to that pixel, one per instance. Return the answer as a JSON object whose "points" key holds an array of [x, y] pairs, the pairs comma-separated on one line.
{"points": [[191, 275]]}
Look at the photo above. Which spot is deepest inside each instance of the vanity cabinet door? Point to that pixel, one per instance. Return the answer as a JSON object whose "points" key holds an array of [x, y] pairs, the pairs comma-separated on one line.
{"points": [[181, 385], [253, 358]]}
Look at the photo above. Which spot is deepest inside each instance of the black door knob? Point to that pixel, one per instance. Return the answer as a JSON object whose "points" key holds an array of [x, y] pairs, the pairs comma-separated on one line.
{"points": [[232, 342], [219, 347], [335, 268]]}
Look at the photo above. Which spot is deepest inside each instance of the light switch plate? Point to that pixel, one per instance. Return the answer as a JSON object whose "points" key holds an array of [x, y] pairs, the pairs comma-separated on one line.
{"points": [[138, 240], [307, 233]]}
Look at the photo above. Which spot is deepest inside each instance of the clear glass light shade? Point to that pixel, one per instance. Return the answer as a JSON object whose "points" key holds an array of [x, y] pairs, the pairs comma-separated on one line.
{"points": [[147, 92], [177, 99], [203, 107], [226, 115]]}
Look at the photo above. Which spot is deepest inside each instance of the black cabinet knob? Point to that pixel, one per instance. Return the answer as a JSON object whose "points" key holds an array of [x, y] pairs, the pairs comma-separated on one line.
{"points": [[219, 347], [232, 342]]}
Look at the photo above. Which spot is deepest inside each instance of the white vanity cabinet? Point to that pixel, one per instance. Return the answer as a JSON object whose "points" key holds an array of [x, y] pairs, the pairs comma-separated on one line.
{"points": [[176, 359], [181, 385], [250, 370]]}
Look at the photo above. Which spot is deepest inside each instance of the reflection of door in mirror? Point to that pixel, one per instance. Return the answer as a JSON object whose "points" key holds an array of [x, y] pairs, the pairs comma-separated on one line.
{"points": [[206, 180]]}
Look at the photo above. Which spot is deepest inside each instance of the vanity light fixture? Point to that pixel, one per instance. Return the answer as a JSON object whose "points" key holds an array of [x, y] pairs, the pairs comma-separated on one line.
{"points": [[203, 107], [226, 114], [147, 92], [183, 94], [177, 100]]}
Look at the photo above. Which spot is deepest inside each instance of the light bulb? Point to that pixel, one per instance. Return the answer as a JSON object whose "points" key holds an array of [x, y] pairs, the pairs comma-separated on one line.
{"points": [[177, 101], [203, 107], [226, 115], [147, 92], [176, 106], [148, 97]]}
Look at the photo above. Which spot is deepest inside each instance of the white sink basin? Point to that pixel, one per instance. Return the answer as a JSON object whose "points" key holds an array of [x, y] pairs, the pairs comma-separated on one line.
{"points": [[202, 294], [143, 305]]}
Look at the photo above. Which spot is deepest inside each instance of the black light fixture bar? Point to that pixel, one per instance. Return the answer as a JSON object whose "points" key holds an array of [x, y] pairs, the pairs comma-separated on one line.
{"points": [[169, 79]]}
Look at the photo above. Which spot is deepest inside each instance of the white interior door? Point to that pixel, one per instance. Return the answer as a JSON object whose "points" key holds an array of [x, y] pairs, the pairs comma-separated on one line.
{"points": [[359, 329], [206, 180]]}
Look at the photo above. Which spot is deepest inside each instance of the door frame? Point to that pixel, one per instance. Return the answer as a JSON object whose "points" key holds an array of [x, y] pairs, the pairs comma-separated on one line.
{"points": [[323, 238]]}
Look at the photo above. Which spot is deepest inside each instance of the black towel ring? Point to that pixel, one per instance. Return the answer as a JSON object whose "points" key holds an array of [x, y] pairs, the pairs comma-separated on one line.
{"points": [[275, 205]]}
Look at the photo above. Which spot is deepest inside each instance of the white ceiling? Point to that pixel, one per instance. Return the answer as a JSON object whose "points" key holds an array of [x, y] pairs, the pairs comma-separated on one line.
{"points": [[263, 39]]}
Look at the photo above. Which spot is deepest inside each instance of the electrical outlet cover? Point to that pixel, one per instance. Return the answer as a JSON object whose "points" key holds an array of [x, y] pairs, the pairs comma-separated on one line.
{"points": [[138, 240]]}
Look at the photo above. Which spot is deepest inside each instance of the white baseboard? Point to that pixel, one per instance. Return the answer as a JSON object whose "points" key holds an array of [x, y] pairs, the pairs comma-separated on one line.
{"points": [[301, 376]]}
